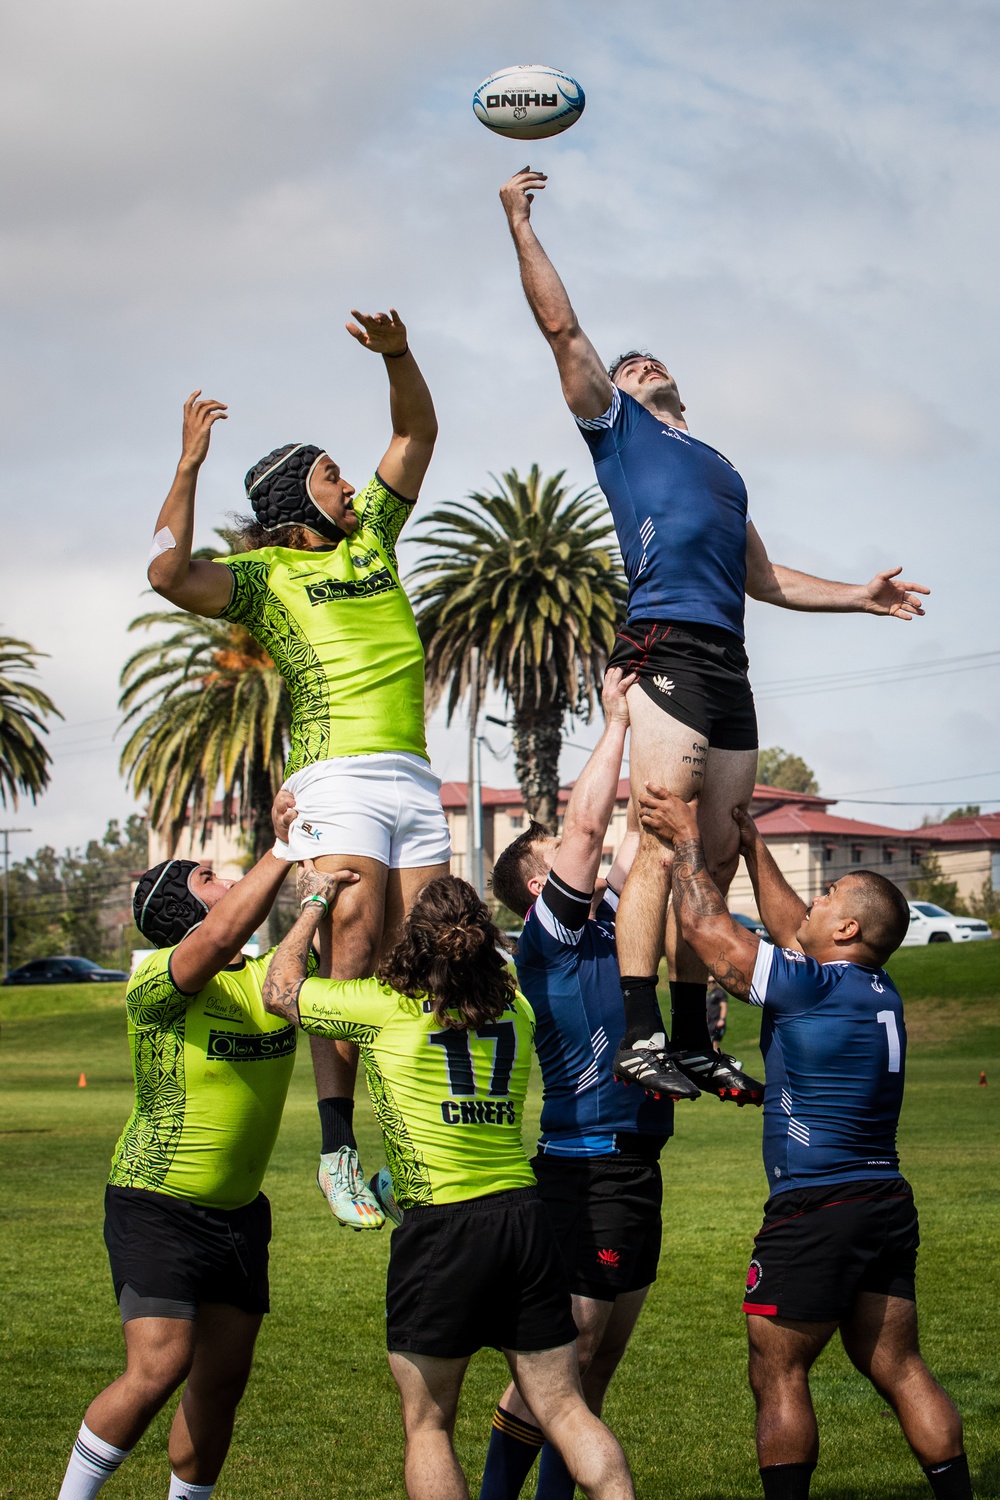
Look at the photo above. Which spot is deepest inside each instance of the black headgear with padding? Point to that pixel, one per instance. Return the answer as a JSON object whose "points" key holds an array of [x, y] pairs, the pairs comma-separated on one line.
{"points": [[278, 489], [164, 906]]}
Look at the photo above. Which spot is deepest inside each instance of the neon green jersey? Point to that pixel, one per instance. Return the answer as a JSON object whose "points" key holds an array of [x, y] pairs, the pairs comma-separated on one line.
{"points": [[211, 1074], [341, 632], [450, 1103]]}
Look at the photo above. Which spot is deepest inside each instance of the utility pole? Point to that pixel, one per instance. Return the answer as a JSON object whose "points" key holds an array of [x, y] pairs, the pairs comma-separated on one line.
{"points": [[6, 832], [474, 788]]}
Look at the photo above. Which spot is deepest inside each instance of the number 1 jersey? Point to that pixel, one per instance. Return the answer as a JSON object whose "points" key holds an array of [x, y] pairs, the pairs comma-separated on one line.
{"points": [[834, 1046], [450, 1103]]}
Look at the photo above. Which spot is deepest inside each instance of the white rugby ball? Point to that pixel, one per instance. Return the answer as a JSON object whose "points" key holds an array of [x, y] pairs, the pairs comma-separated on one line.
{"points": [[528, 102]]}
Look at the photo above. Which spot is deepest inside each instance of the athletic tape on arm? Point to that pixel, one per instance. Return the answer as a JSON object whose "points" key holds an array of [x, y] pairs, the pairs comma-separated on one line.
{"points": [[163, 541]]}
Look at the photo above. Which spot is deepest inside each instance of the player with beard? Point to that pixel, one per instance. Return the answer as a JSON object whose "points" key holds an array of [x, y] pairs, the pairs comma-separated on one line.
{"points": [[692, 555], [320, 590], [838, 1246]]}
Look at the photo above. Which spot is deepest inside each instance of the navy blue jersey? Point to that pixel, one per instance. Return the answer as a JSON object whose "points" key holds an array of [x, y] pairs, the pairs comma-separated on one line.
{"points": [[567, 970], [680, 511], [834, 1045]]}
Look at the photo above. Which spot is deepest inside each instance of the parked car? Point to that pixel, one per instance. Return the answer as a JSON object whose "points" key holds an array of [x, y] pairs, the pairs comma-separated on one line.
{"points": [[932, 924], [63, 970], [751, 925]]}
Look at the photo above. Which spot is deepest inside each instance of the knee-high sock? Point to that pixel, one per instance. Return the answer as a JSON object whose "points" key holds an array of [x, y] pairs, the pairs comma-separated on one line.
{"points": [[642, 1013], [950, 1481], [786, 1481], [91, 1464], [179, 1490], [336, 1120], [555, 1482], [513, 1449]]}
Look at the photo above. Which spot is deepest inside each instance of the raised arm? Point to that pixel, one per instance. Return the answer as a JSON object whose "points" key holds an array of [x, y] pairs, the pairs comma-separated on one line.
{"points": [[414, 424], [592, 802], [287, 971], [207, 950], [202, 587], [725, 948], [625, 858], [769, 582], [585, 382], [781, 910]]}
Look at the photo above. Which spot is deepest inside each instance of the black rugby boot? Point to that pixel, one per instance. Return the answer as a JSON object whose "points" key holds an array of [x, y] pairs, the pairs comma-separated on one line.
{"points": [[718, 1073], [653, 1069]]}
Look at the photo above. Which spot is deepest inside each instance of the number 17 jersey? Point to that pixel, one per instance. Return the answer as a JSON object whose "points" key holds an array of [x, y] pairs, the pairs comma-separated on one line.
{"points": [[450, 1103], [834, 1047]]}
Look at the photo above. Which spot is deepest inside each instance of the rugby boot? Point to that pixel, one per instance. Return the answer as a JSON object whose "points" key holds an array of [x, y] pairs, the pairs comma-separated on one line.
{"points": [[718, 1073], [654, 1070], [381, 1190], [340, 1181]]}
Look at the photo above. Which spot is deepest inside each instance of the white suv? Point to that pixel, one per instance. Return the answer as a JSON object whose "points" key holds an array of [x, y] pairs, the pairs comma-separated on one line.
{"points": [[932, 924]]}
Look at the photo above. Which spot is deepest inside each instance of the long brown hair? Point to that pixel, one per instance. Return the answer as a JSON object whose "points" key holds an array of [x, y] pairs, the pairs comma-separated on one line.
{"points": [[448, 952], [249, 535]]}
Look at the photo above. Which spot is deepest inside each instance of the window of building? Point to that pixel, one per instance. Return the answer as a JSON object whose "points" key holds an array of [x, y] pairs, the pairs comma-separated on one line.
{"points": [[828, 853], [887, 854], [857, 854], [916, 857], [517, 820]]}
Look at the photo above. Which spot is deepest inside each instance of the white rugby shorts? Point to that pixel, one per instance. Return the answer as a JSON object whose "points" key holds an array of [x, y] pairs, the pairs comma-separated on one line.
{"points": [[385, 807]]}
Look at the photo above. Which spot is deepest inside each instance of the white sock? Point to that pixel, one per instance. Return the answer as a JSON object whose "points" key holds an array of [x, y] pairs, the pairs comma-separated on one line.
{"points": [[181, 1491], [91, 1464]]}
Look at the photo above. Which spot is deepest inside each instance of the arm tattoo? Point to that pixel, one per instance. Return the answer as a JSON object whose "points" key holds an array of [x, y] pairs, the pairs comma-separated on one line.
{"points": [[698, 898], [287, 971]]}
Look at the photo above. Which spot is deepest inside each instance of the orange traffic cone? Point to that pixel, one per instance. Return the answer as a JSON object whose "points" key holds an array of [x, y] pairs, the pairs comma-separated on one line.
{"points": [[982, 1079], [83, 1081]]}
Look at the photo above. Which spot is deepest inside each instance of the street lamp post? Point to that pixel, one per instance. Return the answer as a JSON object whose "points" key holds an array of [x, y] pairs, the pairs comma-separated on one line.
{"points": [[6, 832]]}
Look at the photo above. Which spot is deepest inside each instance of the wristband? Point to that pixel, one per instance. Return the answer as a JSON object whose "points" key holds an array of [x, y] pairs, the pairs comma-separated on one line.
{"points": [[316, 900], [398, 355], [281, 850]]}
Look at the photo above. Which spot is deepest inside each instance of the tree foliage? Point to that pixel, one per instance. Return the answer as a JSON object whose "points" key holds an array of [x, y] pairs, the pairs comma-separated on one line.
{"points": [[933, 885], [79, 901], [528, 575], [776, 767], [209, 712], [24, 760], [970, 811]]}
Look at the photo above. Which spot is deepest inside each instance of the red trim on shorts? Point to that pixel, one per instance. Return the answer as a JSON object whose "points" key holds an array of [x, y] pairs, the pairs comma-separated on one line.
{"points": [[837, 1203], [649, 640], [762, 1309]]}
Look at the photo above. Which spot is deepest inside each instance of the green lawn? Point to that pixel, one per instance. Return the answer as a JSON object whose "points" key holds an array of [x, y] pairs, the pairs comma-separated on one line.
{"points": [[320, 1417]]}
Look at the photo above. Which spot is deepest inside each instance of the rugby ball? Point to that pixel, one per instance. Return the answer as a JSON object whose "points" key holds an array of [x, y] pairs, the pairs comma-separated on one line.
{"points": [[528, 102]]}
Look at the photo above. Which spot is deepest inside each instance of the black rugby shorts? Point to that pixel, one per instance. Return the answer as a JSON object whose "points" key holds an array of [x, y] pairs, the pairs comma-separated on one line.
{"points": [[696, 673], [818, 1248], [168, 1255], [605, 1211], [481, 1274]]}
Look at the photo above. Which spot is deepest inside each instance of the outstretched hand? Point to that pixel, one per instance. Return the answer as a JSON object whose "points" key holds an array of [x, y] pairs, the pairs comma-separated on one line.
{"points": [[199, 419], [666, 814], [518, 194], [312, 882], [888, 595], [382, 333], [613, 695]]}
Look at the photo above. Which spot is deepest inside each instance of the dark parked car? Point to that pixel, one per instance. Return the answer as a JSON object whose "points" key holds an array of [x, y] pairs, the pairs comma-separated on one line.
{"points": [[750, 924], [63, 971]]}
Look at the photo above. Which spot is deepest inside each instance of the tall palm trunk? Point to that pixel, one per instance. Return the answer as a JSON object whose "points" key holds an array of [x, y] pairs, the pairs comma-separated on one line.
{"points": [[537, 742]]}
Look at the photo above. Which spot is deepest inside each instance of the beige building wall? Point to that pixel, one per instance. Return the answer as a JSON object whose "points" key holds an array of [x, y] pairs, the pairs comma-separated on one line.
{"points": [[970, 867]]}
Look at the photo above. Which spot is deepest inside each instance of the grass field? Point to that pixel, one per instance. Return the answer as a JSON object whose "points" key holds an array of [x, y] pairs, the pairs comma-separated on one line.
{"points": [[320, 1417]]}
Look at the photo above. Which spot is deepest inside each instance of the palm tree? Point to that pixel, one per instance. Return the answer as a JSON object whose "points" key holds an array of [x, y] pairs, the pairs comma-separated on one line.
{"points": [[529, 578], [209, 708], [24, 760]]}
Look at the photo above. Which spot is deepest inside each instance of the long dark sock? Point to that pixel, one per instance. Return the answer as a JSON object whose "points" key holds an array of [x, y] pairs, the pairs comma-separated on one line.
{"points": [[688, 1019], [786, 1481], [514, 1446], [555, 1482], [950, 1480], [335, 1118], [642, 1014]]}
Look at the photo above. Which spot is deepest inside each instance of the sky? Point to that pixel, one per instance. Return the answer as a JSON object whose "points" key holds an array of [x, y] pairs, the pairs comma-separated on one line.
{"points": [[794, 203]]}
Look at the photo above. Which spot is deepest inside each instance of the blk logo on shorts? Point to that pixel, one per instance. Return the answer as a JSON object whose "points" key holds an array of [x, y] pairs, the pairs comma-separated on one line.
{"points": [[608, 1258], [665, 684], [755, 1275], [312, 832]]}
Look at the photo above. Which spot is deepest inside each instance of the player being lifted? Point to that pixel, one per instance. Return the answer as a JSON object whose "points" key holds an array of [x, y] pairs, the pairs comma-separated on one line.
{"points": [[691, 554], [320, 591]]}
